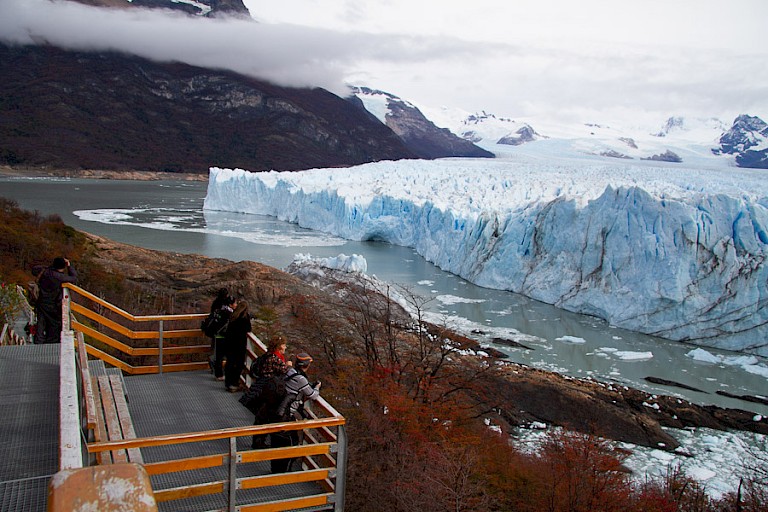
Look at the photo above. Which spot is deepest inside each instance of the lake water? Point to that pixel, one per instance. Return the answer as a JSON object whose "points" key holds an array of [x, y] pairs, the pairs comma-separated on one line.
{"points": [[168, 215]]}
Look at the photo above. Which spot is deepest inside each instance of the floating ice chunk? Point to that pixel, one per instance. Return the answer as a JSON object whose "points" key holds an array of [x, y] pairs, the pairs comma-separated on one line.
{"points": [[452, 299], [701, 474], [627, 355], [354, 263], [571, 339], [748, 363]]}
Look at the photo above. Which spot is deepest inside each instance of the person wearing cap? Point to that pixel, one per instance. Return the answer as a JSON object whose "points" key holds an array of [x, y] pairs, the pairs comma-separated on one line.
{"points": [[49, 303], [299, 386], [300, 390]]}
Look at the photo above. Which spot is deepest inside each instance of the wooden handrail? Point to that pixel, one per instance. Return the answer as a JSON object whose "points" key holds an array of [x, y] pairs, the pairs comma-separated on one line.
{"points": [[136, 335], [132, 351], [128, 335], [88, 394], [212, 435], [125, 314]]}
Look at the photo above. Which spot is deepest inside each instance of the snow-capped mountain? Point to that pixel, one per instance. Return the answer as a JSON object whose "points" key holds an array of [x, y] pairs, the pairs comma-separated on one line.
{"points": [[705, 142], [748, 140], [418, 133]]}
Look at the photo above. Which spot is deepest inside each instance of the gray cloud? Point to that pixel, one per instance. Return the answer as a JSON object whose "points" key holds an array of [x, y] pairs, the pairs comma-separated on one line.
{"points": [[597, 83], [284, 54]]}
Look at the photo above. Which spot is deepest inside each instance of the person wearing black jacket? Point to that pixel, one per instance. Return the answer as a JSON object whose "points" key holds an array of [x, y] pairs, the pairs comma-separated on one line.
{"points": [[222, 300], [48, 307], [235, 344]]}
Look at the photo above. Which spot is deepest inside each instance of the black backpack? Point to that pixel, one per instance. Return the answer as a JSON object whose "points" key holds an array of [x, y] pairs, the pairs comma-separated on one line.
{"points": [[268, 398], [215, 323], [257, 367]]}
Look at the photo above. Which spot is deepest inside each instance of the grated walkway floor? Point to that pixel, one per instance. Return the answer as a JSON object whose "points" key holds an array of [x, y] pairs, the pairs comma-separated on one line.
{"points": [[169, 403], [29, 425], [178, 402]]}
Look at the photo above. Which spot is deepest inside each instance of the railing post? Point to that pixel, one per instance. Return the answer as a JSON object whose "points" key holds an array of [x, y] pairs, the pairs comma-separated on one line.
{"points": [[160, 356], [341, 470], [232, 498], [66, 299]]}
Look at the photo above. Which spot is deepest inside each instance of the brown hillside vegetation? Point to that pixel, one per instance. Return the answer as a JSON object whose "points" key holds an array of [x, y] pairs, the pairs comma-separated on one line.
{"points": [[416, 409]]}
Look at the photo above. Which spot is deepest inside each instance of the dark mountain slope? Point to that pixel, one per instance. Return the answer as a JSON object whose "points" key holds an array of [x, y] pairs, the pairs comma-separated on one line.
{"points": [[209, 8], [81, 110], [419, 133]]}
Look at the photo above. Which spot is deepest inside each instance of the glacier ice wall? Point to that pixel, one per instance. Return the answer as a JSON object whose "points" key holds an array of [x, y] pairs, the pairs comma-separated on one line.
{"points": [[686, 266]]}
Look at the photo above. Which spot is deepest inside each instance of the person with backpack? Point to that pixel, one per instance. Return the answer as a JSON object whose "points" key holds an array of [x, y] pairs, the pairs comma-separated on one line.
{"points": [[298, 391], [235, 345], [48, 303], [221, 299], [215, 326]]}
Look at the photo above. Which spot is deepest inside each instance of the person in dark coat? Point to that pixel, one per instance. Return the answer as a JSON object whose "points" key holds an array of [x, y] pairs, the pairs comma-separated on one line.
{"points": [[219, 348], [48, 307], [222, 299], [273, 362], [235, 344]]}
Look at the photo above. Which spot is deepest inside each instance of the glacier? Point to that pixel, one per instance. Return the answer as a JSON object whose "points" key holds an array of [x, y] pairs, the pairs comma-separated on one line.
{"points": [[669, 251]]}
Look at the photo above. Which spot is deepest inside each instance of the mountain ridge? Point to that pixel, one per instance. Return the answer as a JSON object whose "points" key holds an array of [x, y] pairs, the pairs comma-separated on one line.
{"points": [[709, 142], [87, 110]]}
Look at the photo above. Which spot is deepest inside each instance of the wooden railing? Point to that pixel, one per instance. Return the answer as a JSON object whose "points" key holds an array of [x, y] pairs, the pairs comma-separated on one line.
{"points": [[323, 454], [165, 339]]}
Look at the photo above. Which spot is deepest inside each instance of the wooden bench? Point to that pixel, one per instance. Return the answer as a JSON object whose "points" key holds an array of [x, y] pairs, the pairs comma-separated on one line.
{"points": [[106, 411]]}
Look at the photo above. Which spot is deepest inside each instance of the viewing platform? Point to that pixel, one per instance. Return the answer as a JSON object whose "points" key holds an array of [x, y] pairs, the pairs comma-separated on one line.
{"points": [[112, 400]]}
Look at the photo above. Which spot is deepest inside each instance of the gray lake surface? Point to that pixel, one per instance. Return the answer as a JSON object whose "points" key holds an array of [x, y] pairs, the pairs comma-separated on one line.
{"points": [[168, 216]]}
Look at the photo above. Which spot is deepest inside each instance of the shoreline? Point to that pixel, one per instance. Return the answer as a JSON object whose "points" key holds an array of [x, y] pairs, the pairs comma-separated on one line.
{"points": [[102, 174]]}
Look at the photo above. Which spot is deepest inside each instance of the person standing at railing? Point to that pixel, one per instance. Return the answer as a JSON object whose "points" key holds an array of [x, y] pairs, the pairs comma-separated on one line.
{"points": [[271, 363], [48, 306], [215, 326], [222, 299], [298, 391], [235, 344]]}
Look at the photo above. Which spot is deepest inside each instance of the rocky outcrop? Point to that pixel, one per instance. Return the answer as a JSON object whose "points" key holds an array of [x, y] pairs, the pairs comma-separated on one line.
{"points": [[521, 136], [671, 124], [79, 110], [667, 156]]}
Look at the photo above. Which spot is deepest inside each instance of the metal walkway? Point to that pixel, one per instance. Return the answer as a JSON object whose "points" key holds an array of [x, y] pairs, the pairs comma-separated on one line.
{"points": [[29, 425], [170, 403], [174, 403]]}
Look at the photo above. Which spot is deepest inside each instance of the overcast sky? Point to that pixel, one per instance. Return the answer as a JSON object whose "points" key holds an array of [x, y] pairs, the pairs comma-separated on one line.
{"points": [[633, 62]]}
